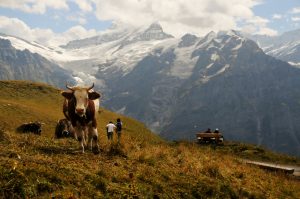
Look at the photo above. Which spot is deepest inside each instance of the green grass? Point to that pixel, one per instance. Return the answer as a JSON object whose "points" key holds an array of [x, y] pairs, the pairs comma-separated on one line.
{"points": [[143, 166]]}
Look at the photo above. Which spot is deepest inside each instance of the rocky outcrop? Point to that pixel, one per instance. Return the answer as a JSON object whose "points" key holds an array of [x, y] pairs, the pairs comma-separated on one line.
{"points": [[24, 65]]}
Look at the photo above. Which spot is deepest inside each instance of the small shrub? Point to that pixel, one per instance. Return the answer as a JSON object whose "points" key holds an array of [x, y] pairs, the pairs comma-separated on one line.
{"points": [[44, 187], [144, 177], [165, 176], [115, 179], [13, 184], [212, 171], [245, 194], [227, 192], [3, 136], [158, 187], [116, 150], [203, 190], [102, 173], [100, 183], [146, 160], [239, 175]]}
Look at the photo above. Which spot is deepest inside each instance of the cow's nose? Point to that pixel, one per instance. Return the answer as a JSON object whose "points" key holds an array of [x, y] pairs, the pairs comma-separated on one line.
{"points": [[80, 110]]}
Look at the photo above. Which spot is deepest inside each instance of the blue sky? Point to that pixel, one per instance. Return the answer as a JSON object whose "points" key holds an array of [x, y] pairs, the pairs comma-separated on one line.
{"points": [[65, 20], [284, 11], [56, 19]]}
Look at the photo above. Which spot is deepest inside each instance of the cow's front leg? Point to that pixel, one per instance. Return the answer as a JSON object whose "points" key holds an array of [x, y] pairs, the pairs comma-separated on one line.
{"points": [[93, 138], [90, 137], [81, 137], [85, 136]]}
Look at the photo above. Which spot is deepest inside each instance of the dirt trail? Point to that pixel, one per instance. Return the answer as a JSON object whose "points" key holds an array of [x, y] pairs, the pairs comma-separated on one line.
{"points": [[292, 169]]}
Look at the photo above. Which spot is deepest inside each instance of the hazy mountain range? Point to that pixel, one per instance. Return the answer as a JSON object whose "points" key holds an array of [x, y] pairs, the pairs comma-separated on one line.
{"points": [[178, 86], [24, 65], [285, 47]]}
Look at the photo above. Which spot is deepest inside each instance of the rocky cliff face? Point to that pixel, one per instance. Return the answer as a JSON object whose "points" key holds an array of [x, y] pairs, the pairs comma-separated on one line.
{"points": [[24, 65]]}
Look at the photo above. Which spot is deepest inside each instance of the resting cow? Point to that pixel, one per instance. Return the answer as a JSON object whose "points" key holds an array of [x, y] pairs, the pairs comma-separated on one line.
{"points": [[80, 107], [64, 129], [31, 127]]}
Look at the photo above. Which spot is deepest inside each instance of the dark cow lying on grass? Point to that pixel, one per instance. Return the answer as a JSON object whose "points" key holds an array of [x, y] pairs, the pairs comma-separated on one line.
{"points": [[31, 127], [80, 107], [64, 129]]}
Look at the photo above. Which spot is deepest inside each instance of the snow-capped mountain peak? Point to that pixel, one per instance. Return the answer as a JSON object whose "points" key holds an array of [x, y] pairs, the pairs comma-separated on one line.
{"points": [[187, 40], [154, 32], [55, 54]]}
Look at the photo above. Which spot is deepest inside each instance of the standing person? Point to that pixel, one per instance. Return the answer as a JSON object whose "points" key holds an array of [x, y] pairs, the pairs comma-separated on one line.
{"points": [[119, 129], [110, 130]]}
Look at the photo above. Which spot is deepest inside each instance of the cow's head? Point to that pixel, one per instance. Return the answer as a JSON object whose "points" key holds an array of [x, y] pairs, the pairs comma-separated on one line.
{"points": [[81, 95]]}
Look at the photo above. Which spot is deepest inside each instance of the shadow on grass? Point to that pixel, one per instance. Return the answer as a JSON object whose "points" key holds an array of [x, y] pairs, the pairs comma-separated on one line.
{"points": [[55, 150], [50, 150], [116, 150]]}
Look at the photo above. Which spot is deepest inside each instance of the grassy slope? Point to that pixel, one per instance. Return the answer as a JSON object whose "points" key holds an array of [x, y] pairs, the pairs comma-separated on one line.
{"points": [[144, 165]]}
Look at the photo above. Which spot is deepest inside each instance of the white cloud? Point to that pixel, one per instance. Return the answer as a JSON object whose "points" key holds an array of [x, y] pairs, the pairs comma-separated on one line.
{"points": [[16, 27], [295, 10], [176, 16], [84, 5], [78, 32], [180, 16], [34, 6], [258, 25], [277, 16], [258, 20], [267, 31], [41, 6], [295, 18]]}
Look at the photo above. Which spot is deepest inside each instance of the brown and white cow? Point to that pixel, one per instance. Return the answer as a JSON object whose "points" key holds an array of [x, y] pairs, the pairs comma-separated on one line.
{"points": [[80, 107]]}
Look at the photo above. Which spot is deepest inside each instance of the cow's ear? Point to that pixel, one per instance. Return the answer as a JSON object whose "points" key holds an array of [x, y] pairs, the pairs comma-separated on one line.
{"points": [[94, 95], [67, 95]]}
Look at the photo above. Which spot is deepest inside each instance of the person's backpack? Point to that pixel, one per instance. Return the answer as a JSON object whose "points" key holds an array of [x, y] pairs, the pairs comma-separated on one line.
{"points": [[119, 126]]}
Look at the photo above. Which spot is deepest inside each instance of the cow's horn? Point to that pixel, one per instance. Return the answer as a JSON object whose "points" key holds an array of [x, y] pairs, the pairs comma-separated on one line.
{"points": [[89, 88], [68, 87]]}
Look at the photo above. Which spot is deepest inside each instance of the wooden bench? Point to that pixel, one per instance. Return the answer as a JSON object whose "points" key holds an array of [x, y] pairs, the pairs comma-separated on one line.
{"points": [[210, 137]]}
